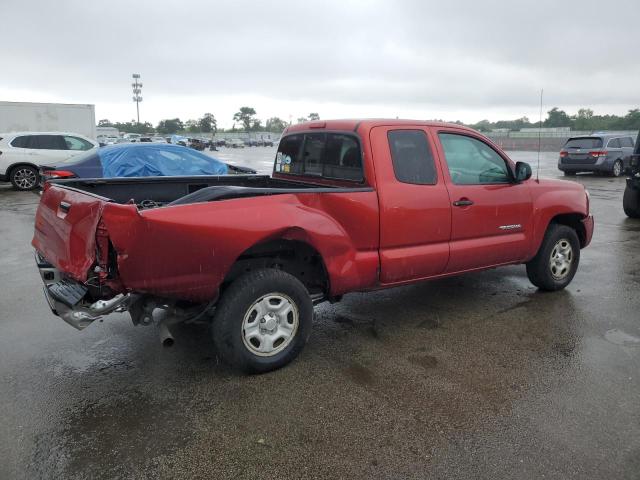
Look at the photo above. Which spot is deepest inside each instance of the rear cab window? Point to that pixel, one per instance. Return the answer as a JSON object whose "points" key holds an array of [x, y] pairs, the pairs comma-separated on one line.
{"points": [[583, 143], [331, 155]]}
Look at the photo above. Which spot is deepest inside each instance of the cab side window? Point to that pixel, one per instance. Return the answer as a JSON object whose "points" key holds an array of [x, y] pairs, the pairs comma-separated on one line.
{"points": [[472, 162], [411, 157]]}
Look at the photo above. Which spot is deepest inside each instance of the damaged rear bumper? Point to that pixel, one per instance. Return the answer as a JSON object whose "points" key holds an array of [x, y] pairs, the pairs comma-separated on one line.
{"points": [[65, 297]]}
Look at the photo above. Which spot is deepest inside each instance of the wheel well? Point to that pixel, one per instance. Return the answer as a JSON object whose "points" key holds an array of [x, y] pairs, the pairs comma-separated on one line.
{"points": [[572, 220], [297, 258]]}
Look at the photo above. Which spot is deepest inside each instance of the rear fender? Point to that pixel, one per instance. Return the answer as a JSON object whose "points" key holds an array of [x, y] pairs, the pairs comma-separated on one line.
{"points": [[187, 251]]}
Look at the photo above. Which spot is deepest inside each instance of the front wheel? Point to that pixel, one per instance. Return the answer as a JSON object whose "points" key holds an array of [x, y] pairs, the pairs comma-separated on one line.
{"points": [[557, 260], [631, 202], [24, 177], [262, 321]]}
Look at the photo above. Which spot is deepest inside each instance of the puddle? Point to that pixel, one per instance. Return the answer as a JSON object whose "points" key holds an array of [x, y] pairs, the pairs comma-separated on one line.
{"points": [[360, 374], [619, 337], [425, 361]]}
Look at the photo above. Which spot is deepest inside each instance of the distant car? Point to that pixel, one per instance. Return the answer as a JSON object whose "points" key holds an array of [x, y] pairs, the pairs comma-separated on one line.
{"points": [[132, 137], [140, 160], [221, 142], [196, 144], [237, 143], [21, 153], [145, 140], [158, 140], [602, 153], [268, 143]]}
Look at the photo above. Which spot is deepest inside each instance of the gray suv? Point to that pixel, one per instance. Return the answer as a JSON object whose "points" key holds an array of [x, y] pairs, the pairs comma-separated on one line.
{"points": [[604, 153]]}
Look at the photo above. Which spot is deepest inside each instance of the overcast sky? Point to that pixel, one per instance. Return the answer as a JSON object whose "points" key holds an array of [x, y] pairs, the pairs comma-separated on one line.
{"points": [[462, 59]]}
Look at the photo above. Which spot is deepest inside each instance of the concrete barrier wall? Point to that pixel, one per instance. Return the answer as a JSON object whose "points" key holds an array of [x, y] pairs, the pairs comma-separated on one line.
{"points": [[548, 143]]}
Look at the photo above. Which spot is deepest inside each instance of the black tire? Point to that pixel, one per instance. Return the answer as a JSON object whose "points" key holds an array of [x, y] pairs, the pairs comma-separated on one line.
{"points": [[24, 177], [539, 269], [617, 169], [569, 173], [238, 302], [631, 202]]}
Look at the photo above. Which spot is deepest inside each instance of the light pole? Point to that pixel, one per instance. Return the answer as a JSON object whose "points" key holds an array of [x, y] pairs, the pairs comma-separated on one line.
{"points": [[137, 90]]}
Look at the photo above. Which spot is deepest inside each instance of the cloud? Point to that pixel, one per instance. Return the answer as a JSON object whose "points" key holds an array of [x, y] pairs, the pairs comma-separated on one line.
{"points": [[411, 57]]}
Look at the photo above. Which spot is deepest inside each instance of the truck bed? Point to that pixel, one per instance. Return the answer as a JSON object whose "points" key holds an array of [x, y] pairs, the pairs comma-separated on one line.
{"points": [[159, 191]]}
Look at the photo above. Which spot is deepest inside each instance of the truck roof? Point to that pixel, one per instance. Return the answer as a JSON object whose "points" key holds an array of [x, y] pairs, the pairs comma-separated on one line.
{"points": [[367, 123]]}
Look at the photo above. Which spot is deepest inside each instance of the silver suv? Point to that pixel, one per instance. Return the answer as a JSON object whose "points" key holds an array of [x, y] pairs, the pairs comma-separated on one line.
{"points": [[21, 153], [605, 153]]}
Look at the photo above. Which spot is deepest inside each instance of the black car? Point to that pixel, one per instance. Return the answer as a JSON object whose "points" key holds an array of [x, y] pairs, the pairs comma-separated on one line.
{"points": [[631, 198]]}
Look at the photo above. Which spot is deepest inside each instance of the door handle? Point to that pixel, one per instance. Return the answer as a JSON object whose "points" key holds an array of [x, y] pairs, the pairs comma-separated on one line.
{"points": [[463, 202]]}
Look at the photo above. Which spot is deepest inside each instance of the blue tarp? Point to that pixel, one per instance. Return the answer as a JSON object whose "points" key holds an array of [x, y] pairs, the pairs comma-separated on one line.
{"points": [[157, 160]]}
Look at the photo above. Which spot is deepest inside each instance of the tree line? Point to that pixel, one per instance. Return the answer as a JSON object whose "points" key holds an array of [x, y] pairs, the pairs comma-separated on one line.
{"points": [[245, 120], [584, 120]]}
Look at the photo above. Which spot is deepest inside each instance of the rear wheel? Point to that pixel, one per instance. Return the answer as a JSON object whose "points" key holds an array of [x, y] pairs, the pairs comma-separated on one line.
{"points": [[557, 260], [617, 169], [631, 202], [24, 177], [262, 321]]}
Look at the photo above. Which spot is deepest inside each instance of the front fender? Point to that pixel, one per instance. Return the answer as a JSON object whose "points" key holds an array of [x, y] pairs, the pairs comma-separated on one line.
{"points": [[552, 198]]}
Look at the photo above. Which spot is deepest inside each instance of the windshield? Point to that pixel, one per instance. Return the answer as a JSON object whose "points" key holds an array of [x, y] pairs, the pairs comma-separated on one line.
{"points": [[584, 142]]}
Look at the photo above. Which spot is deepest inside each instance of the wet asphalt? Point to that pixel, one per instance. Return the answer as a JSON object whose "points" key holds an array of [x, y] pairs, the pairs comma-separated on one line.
{"points": [[479, 376]]}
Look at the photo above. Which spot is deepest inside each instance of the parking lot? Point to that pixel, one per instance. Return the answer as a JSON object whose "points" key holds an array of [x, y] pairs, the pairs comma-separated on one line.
{"points": [[478, 376]]}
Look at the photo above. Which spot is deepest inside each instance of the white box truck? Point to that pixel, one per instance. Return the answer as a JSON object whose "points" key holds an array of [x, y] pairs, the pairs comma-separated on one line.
{"points": [[48, 117]]}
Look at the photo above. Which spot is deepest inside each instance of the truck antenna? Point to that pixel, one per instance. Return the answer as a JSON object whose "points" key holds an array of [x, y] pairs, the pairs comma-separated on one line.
{"points": [[539, 137]]}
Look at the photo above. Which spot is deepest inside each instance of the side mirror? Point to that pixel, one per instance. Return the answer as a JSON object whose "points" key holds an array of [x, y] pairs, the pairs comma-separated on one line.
{"points": [[523, 171]]}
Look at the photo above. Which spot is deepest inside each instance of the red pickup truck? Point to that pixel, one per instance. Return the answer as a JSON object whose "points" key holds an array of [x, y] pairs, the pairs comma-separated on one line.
{"points": [[351, 206]]}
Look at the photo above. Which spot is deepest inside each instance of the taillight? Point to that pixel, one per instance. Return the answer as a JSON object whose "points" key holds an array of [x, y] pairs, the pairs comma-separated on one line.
{"points": [[563, 153], [598, 153], [58, 174]]}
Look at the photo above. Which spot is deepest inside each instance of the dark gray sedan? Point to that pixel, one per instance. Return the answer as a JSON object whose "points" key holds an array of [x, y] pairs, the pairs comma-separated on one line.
{"points": [[603, 153]]}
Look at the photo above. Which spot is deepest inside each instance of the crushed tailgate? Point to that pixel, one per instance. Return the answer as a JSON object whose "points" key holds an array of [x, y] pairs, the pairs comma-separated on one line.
{"points": [[65, 229]]}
